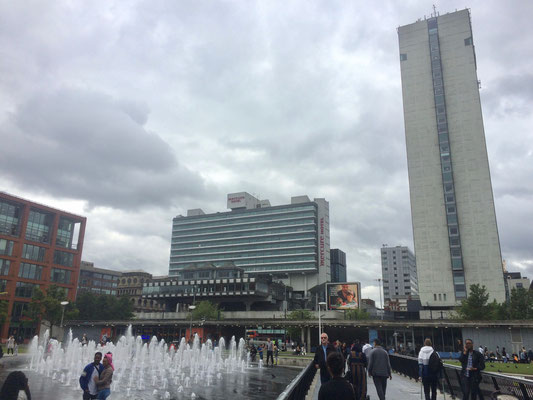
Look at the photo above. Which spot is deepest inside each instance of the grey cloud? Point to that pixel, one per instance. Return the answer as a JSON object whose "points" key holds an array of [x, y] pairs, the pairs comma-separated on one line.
{"points": [[84, 145]]}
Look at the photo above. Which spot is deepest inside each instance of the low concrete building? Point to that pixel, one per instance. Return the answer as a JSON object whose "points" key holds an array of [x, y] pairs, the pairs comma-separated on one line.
{"points": [[228, 286], [97, 280], [131, 285]]}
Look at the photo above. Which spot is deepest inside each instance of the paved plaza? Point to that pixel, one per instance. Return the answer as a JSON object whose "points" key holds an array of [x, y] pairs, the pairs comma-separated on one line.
{"points": [[399, 388]]}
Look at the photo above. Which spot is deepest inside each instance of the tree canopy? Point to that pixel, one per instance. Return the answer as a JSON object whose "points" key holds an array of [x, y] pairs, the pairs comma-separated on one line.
{"points": [[47, 306], [477, 306], [94, 307], [206, 310]]}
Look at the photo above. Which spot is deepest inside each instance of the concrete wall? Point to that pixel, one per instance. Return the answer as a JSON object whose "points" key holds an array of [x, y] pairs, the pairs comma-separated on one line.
{"points": [[511, 339]]}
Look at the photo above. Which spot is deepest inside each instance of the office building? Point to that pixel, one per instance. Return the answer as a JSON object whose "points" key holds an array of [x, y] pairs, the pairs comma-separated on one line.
{"points": [[130, 285], [97, 280], [288, 242], [39, 246], [452, 205], [398, 269], [515, 280], [338, 265]]}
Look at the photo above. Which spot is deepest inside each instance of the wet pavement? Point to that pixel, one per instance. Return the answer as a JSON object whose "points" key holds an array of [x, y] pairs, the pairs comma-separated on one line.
{"points": [[399, 388], [255, 383]]}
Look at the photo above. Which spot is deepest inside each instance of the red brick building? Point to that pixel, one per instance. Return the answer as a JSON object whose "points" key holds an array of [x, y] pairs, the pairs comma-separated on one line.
{"points": [[39, 246]]}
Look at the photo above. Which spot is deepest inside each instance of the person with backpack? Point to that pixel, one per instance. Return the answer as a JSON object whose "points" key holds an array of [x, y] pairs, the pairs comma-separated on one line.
{"points": [[429, 369]]}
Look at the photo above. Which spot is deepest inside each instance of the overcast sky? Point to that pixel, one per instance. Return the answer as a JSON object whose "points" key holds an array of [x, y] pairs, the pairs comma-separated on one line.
{"points": [[132, 112]]}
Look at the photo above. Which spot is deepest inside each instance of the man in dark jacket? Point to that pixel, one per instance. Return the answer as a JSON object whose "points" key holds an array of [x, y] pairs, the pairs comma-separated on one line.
{"points": [[90, 391], [321, 354], [472, 364]]}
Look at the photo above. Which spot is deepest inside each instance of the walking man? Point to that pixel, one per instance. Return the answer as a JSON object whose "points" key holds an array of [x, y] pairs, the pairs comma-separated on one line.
{"points": [[270, 351], [379, 368], [321, 354], [472, 363]]}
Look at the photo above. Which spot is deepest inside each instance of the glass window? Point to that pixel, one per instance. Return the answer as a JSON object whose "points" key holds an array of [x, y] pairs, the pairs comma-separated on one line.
{"points": [[38, 226], [4, 267], [66, 231], [468, 41], [453, 231], [452, 218], [9, 218], [403, 57], [457, 264], [19, 308], [3, 285], [6, 247], [25, 289], [61, 276], [30, 271], [63, 258], [34, 253]]}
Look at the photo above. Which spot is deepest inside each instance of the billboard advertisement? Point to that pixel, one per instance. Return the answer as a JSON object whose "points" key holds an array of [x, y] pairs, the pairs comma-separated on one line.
{"points": [[343, 296]]}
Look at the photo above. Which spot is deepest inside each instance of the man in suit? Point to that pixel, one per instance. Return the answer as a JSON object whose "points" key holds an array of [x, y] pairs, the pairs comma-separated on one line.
{"points": [[321, 355]]}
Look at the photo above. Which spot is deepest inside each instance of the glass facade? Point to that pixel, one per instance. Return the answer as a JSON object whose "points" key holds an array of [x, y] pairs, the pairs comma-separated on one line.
{"points": [[446, 161], [281, 238], [10, 214], [6, 247], [30, 271], [59, 275], [4, 266], [39, 226], [65, 233], [34, 253], [63, 258]]}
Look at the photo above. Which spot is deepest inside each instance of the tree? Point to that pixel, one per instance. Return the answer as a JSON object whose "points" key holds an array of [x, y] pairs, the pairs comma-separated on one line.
{"points": [[3, 311], [357, 314], [520, 305], [206, 310], [298, 315], [93, 307], [48, 306], [476, 307]]}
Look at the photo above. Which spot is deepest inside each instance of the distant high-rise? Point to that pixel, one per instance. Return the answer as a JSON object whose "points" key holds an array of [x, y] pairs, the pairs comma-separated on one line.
{"points": [[398, 269], [288, 242], [454, 222], [338, 265]]}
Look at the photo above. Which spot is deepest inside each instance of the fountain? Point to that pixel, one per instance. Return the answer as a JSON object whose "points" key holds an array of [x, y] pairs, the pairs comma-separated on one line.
{"points": [[154, 370]]}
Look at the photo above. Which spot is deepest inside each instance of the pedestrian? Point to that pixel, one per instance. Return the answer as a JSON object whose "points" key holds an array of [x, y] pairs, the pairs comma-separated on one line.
{"points": [[10, 344], [357, 363], [429, 369], [84, 341], [276, 353], [472, 363], [321, 354], [103, 382], [504, 355], [15, 387], [337, 388], [379, 368], [530, 355], [260, 350], [87, 383], [270, 351], [253, 352], [367, 348]]}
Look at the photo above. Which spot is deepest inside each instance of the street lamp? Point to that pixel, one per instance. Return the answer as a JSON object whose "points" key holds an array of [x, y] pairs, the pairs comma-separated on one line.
{"points": [[63, 304], [322, 303], [380, 298], [191, 309]]}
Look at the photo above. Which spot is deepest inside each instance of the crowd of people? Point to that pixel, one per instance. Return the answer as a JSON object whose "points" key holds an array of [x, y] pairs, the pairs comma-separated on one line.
{"points": [[344, 370]]}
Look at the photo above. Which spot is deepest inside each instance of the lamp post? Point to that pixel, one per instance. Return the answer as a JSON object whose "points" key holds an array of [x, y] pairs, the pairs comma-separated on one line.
{"points": [[63, 304], [380, 298], [322, 303], [191, 309]]}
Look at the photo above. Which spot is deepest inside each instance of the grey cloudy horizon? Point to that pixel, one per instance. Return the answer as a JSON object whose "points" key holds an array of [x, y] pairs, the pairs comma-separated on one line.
{"points": [[130, 113]]}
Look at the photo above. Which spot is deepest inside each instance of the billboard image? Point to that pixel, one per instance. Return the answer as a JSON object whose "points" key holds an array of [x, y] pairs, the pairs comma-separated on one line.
{"points": [[343, 296]]}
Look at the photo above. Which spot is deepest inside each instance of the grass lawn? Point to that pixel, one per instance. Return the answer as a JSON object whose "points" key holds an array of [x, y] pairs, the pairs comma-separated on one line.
{"points": [[509, 368]]}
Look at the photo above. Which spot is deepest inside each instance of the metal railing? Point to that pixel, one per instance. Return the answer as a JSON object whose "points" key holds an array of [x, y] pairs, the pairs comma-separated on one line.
{"points": [[492, 384], [298, 388]]}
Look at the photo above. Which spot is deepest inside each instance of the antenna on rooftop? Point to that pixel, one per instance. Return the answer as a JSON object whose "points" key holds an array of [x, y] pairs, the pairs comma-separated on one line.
{"points": [[434, 10]]}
